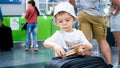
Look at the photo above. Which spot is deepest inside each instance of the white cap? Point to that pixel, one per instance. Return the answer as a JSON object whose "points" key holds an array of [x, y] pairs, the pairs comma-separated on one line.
{"points": [[64, 6]]}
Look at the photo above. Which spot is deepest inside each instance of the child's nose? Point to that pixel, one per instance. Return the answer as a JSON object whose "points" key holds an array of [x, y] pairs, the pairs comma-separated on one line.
{"points": [[64, 22]]}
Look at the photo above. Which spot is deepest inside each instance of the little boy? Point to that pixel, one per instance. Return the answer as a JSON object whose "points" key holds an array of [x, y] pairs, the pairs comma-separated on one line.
{"points": [[64, 39]]}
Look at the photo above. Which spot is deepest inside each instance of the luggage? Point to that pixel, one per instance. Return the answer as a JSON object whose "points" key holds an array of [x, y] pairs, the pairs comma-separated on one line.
{"points": [[77, 62], [6, 40]]}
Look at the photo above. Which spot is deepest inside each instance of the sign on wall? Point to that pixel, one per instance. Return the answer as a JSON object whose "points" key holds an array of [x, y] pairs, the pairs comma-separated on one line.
{"points": [[14, 23]]}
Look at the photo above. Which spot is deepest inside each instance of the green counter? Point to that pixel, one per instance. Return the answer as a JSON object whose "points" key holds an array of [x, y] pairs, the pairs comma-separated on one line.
{"points": [[45, 28]]}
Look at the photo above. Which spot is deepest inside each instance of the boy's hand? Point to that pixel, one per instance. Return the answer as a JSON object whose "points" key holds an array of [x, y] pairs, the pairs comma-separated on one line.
{"points": [[85, 47], [81, 48], [59, 50], [76, 49]]}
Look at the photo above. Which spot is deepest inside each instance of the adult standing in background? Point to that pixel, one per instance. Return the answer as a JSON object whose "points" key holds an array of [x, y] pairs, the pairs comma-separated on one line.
{"points": [[1, 17], [74, 5], [92, 20], [31, 18], [73, 2], [115, 24]]}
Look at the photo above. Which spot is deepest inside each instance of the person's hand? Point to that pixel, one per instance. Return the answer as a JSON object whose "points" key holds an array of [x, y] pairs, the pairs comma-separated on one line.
{"points": [[83, 48], [86, 47], [79, 49], [59, 50], [114, 11]]}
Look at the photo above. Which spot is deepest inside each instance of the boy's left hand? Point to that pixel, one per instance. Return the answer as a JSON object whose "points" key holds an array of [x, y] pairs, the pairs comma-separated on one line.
{"points": [[79, 49]]}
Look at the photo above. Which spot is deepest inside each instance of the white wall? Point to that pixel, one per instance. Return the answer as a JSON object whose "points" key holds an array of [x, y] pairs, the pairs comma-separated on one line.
{"points": [[13, 9]]}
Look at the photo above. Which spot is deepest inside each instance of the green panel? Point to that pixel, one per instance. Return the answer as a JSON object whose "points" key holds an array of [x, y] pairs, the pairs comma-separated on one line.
{"points": [[18, 35], [44, 28], [6, 21], [55, 28]]}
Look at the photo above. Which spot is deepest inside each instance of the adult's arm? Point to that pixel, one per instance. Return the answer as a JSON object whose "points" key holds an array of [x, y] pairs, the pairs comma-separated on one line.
{"points": [[117, 3]]}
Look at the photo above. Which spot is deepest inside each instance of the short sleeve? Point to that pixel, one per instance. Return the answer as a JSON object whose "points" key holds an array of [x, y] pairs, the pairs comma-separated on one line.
{"points": [[57, 38]]}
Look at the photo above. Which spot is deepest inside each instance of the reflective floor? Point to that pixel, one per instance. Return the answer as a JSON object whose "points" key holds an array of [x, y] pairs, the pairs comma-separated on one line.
{"points": [[18, 58]]}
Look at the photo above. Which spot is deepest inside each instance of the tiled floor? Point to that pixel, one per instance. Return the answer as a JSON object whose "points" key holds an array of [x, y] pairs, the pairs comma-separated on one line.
{"points": [[17, 56], [19, 59]]}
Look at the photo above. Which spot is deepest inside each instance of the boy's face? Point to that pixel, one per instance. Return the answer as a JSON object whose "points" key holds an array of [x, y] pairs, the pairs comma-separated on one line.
{"points": [[65, 21]]}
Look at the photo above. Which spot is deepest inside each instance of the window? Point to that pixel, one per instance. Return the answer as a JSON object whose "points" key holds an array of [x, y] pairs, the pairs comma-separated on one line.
{"points": [[46, 7]]}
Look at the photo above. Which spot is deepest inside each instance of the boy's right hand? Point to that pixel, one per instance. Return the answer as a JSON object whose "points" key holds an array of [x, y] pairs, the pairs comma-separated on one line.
{"points": [[59, 50]]}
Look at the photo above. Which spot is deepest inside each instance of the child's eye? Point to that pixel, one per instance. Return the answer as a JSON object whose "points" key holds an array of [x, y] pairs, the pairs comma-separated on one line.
{"points": [[68, 20], [60, 21]]}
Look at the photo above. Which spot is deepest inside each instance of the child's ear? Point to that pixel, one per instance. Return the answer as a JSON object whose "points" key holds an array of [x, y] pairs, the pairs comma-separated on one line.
{"points": [[74, 19]]}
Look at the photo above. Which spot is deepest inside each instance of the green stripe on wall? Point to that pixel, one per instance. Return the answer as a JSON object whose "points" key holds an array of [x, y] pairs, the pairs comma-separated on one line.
{"points": [[44, 28]]}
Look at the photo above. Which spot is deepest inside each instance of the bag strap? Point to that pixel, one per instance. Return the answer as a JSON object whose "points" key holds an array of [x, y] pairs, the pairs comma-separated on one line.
{"points": [[32, 15]]}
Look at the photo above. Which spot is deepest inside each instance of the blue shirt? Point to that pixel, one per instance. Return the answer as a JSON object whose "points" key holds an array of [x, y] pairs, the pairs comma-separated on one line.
{"points": [[93, 7]]}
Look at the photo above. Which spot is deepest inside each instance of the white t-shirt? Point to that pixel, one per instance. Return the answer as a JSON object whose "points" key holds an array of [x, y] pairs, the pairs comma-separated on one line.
{"points": [[60, 37]]}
